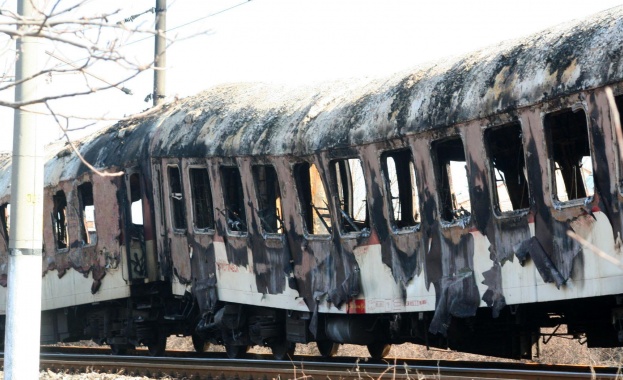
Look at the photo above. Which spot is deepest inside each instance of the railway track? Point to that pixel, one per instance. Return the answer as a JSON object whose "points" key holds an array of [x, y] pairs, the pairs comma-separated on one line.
{"points": [[260, 367]]}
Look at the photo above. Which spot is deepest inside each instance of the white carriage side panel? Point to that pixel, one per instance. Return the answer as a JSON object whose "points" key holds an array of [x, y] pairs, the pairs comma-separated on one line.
{"points": [[597, 277], [237, 284], [521, 284], [75, 289], [379, 291]]}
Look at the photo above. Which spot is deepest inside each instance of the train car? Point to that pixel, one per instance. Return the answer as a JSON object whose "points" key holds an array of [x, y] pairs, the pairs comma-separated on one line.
{"points": [[432, 206]]}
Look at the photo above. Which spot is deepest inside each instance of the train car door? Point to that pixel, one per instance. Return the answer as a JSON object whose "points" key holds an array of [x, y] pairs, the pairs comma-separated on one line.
{"points": [[138, 228], [176, 220]]}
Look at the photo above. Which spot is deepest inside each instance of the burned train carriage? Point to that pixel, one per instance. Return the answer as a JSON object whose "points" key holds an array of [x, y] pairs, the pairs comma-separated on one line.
{"points": [[429, 207]]}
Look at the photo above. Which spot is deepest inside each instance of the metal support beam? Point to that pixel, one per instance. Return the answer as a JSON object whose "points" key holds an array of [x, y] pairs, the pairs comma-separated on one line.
{"points": [[160, 58], [23, 319]]}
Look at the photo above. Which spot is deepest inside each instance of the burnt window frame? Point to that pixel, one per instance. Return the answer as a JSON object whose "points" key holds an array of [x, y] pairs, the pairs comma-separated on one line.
{"points": [[85, 234], [437, 168], [575, 108], [348, 225], [177, 205], [412, 224], [263, 213], [211, 219], [495, 198], [59, 216], [236, 221], [307, 211], [135, 196]]}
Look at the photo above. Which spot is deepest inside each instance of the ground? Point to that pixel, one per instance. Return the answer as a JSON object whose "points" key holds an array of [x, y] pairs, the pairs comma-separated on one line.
{"points": [[557, 351]]}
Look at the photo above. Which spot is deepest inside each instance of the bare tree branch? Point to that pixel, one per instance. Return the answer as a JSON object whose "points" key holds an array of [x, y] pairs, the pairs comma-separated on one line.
{"points": [[77, 152]]}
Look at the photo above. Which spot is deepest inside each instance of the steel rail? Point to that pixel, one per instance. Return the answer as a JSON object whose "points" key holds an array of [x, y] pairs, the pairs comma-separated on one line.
{"points": [[309, 368]]}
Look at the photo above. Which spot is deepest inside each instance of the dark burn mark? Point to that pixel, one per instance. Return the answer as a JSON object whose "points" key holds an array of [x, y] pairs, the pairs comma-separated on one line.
{"points": [[455, 285], [532, 248], [605, 190], [494, 295], [203, 264]]}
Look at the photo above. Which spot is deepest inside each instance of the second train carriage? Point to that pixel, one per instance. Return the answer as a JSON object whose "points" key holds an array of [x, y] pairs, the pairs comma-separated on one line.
{"points": [[429, 207]]}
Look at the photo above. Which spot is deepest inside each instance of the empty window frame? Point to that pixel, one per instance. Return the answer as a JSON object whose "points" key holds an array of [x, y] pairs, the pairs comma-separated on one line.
{"points": [[59, 220], [452, 180], [201, 192], [268, 198], [506, 155], [570, 154], [88, 231], [313, 199], [350, 188], [136, 200], [234, 199], [177, 198], [401, 184]]}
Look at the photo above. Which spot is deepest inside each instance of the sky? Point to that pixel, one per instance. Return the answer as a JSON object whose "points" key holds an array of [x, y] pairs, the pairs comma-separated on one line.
{"points": [[295, 42]]}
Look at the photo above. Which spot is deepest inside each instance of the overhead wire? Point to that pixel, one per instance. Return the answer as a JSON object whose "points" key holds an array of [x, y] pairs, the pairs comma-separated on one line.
{"points": [[152, 10], [194, 21]]}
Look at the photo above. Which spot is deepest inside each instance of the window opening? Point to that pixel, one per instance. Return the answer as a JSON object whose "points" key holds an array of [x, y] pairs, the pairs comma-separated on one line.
{"points": [[136, 200], [452, 179], [5, 219], [234, 199], [88, 230], [313, 199], [59, 220], [351, 194], [269, 198], [401, 182], [177, 198], [201, 193], [506, 154], [570, 154]]}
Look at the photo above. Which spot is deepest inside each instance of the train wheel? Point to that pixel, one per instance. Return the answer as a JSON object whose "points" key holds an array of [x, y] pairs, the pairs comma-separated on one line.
{"points": [[379, 350], [327, 348], [283, 349], [159, 346], [119, 349], [234, 352], [199, 344]]}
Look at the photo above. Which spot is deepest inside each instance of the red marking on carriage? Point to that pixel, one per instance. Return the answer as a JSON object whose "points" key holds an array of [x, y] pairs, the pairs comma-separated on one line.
{"points": [[357, 307], [595, 208], [416, 302]]}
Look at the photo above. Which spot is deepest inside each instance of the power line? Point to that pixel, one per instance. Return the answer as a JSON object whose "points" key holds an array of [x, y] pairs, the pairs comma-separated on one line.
{"points": [[210, 15], [134, 17], [194, 21], [119, 87]]}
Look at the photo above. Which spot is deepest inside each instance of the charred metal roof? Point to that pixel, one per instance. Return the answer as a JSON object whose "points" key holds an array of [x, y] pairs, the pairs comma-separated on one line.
{"points": [[257, 119], [260, 119]]}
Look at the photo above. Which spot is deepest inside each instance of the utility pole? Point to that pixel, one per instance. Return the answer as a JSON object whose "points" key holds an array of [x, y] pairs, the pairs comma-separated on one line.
{"points": [[160, 58], [23, 319]]}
